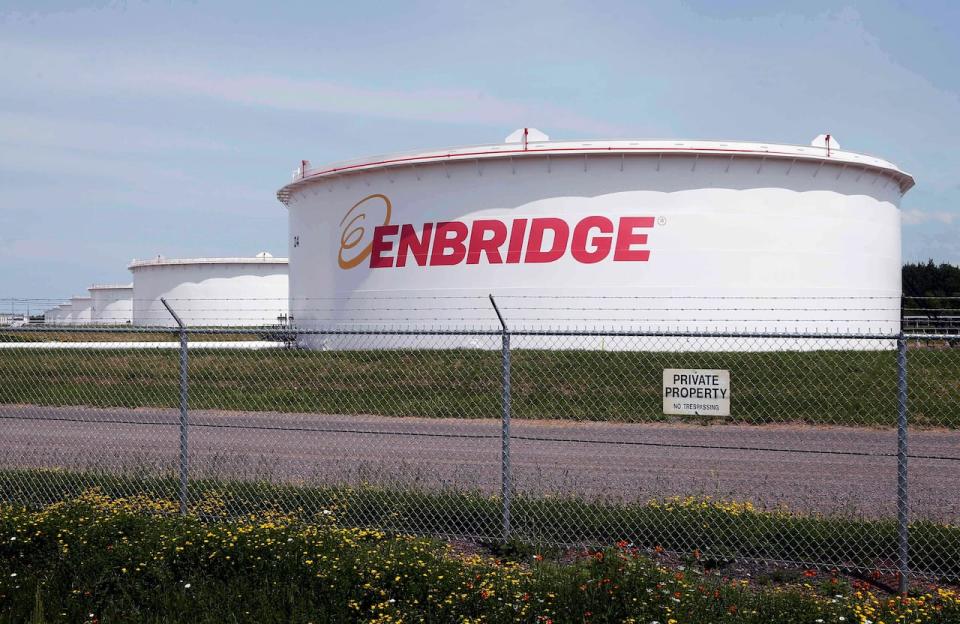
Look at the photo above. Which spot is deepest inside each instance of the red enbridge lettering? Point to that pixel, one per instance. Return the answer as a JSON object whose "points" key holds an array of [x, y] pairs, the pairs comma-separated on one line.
{"points": [[489, 246], [539, 227], [409, 242], [601, 244], [448, 247], [539, 240]]}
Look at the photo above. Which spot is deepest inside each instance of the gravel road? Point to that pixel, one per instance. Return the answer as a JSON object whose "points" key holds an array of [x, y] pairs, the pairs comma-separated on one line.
{"points": [[805, 468]]}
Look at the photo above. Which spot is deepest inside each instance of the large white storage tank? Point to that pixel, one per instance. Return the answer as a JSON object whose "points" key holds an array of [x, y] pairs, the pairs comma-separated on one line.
{"points": [[653, 235], [80, 307], [210, 291], [111, 304]]}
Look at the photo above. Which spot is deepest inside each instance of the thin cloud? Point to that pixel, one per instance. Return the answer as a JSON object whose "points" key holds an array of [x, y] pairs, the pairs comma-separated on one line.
{"points": [[438, 105], [75, 165], [919, 217], [115, 74], [38, 130]]}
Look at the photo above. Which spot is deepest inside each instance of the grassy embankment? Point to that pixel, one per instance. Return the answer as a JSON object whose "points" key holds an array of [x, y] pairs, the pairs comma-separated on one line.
{"points": [[98, 559], [856, 388]]}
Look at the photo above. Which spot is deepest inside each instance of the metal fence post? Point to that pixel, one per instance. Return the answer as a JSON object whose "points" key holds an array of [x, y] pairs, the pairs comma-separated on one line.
{"points": [[505, 478], [903, 505], [184, 415]]}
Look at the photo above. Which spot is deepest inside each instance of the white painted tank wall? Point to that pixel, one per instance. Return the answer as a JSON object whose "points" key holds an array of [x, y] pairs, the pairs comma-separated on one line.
{"points": [[111, 305], [54, 316], [784, 242], [210, 293], [66, 314], [80, 308]]}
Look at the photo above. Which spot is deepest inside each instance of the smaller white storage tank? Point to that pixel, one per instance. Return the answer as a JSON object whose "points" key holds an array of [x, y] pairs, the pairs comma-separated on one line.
{"points": [[112, 304], [65, 314], [55, 316], [209, 292], [80, 310]]}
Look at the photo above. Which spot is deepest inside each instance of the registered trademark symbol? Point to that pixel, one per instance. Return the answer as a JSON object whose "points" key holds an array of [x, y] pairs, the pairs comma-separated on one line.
{"points": [[661, 220]]}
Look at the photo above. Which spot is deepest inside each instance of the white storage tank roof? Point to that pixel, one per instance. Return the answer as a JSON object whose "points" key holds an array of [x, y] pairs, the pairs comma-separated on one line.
{"points": [[816, 152], [238, 291], [664, 235]]}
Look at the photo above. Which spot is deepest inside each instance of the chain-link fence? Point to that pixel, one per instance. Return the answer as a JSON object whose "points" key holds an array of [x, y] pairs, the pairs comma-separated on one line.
{"points": [[557, 437]]}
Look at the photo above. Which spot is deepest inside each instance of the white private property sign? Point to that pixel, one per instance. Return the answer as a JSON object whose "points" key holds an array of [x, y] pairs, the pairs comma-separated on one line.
{"points": [[696, 392]]}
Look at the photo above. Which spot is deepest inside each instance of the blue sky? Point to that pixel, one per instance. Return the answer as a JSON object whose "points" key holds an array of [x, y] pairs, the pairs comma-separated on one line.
{"points": [[135, 129]]}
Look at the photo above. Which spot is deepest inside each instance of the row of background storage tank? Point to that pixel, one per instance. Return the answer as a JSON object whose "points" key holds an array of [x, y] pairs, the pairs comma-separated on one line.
{"points": [[203, 292]]}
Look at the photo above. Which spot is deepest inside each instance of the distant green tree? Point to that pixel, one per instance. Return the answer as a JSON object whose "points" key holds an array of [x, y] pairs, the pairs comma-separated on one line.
{"points": [[930, 288]]}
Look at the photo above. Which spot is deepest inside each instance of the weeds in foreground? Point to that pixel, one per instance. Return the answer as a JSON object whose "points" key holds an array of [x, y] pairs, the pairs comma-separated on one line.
{"points": [[720, 531], [102, 559]]}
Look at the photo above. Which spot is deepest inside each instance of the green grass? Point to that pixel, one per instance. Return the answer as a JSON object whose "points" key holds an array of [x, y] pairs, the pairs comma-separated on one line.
{"points": [[822, 387], [720, 531]]}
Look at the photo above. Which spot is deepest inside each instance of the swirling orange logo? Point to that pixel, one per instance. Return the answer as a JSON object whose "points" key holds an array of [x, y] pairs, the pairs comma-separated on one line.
{"points": [[353, 232]]}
